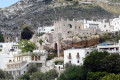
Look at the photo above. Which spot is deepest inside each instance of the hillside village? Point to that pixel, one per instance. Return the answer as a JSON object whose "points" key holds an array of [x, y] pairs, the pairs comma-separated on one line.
{"points": [[49, 49], [69, 40]]}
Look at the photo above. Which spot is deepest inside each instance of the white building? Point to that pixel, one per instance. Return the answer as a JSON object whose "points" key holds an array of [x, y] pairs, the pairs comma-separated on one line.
{"points": [[100, 25], [109, 47], [91, 24], [116, 24], [4, 59], [59, 66], [45, 29], [21, 62], [76, 56], [7, 51], [6, 48]]}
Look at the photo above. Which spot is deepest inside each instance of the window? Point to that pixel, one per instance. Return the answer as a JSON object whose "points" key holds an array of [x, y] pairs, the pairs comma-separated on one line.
{"points": [[38, 57], [78, 61], [10, 61], [78, 56], [69, 56], [35, 58], [70, 25], [69, 61], [104, 26], [87, 52], [32, 57]]}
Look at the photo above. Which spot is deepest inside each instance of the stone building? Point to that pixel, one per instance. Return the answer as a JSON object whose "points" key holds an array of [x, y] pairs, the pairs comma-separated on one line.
{"points": [[11, 36], [68, 29]]}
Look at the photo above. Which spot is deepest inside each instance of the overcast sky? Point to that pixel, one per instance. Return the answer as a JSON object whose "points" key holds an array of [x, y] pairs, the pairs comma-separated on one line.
{"points": [[6, 3]]}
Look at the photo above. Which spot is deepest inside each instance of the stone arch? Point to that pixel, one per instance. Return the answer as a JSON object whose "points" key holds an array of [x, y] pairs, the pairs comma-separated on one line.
{"points": [[56, 47]]}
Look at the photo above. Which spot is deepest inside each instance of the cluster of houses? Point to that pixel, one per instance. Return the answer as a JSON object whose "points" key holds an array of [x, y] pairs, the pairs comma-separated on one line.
{"points": [[16, 62]]}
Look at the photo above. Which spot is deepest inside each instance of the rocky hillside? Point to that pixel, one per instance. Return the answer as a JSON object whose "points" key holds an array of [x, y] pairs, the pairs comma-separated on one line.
{"points": [[39, 12]]}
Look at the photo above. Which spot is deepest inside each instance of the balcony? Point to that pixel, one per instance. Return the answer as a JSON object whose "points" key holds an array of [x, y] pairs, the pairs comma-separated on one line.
{"points": [[110, 51]]}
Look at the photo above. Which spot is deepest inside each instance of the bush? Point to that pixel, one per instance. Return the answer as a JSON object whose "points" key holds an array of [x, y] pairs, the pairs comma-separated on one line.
{"points": [[40, 41], [37, 76], [73, 72], [50, 75], [2, 75], [32, 68], [24, 77], [58, 62], [5, 75], [40, 34], [111, 77], [51, 56], [95, 75]]}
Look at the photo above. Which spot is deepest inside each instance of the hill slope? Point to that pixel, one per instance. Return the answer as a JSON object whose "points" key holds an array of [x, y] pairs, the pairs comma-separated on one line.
{"points": [[37, 13]]}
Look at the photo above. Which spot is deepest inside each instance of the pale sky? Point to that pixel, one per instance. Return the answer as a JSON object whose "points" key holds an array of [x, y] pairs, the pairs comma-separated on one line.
{"points": [[6, 3]]}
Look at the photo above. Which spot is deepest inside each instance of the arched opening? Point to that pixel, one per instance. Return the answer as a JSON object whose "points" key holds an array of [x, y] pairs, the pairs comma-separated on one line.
{"points": [[55, 47], [70, 25]]}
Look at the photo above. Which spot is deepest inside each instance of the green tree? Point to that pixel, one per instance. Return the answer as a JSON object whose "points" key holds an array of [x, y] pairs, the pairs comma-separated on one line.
{"points": [[73, 72], [1, 38], [40, 41], [32, 68], [93, 62], [50, 75], [102, 39], [8, 75], [37, 76], [5, 75], [111, 77], [26, 33], [95, 75], [51, 56], [26, 46], [2, 74], [111, 63], [24, 77]]}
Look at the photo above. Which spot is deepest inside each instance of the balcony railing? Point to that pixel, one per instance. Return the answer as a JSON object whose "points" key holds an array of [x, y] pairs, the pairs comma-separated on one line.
{"points": [[110, 51]]}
